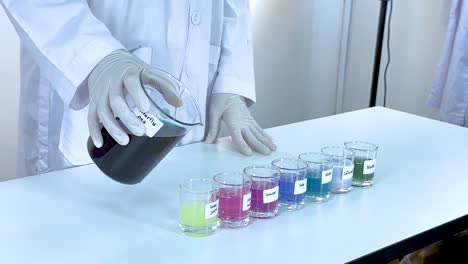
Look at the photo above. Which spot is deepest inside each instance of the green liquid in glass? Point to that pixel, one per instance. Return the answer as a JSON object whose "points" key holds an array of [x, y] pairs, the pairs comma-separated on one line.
{"points": [[359, 176], [192, 214]]}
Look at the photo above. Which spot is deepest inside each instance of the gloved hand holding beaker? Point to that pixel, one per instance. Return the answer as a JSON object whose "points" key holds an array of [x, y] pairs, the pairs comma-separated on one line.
{"points": [[114, 76]]}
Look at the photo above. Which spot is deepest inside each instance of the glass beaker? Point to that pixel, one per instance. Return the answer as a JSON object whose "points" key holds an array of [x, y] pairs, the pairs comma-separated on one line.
{"points": [[319, 176], [343, 168], [234, 199], [292, 183], [165, 126], [265, 190], [198, 212], [365, 156]]}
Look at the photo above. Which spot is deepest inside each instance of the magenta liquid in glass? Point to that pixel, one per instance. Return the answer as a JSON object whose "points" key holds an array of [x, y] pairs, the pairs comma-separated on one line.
{"points": [[234, 199], [234, 204]]}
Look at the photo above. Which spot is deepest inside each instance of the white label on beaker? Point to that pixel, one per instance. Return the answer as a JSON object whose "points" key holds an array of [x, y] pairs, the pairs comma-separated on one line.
{"points": [[211, 209], [152, 124], [270, 195], [369, 166], [246, 202], [347, 172], [327, 176], [300, 187]]}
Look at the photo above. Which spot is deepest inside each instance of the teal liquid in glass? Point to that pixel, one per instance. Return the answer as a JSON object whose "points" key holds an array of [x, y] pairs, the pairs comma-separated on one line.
{"points": [[314, 184]]}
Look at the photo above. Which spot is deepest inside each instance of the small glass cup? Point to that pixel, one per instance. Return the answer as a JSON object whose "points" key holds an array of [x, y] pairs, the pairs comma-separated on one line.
{"points": [[292, 183], [319, 176], [365, 156], [343, 168], [234, 199], [265, 190], [198, 214]]}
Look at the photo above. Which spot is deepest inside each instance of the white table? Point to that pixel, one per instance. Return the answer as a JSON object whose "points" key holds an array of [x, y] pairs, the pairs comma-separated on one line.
{"points": [[81, 216]]}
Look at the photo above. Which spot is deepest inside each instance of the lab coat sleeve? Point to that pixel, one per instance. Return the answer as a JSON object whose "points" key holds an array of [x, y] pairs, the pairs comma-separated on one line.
{"points": [[235, 68], [440, 82], [63, 35]]}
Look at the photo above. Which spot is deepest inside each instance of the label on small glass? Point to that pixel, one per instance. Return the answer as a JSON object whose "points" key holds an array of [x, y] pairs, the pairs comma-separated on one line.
{"points": [[300, 187], [327, 176], [211, 209], [369, 166], [270, 195], [246, 202], [347, 172], [152, 124]]}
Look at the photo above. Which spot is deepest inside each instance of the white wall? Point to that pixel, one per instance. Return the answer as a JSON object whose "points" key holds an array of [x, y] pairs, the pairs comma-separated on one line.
{"points": [[418, 30], [9, 98], [296, 46]]}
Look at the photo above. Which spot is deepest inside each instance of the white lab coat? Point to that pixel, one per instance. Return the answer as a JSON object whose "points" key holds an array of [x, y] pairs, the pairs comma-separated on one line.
{"points": [[450, 88], [207, 44]]}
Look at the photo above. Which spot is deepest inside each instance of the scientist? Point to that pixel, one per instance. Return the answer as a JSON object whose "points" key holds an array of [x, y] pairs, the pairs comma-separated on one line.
{"points": [[79, 58]]}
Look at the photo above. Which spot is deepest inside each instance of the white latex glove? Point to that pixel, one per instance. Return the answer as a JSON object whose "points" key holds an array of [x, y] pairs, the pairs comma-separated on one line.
{"points": [[114, 76], [245, 132]]}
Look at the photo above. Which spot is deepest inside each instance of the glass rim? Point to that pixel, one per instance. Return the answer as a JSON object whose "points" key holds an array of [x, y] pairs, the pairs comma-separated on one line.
{"points": [[244, 176], [181, 88], [305, 165], [268, 167], [372, 146], [215, 186], [344, 155], [325, 158]]}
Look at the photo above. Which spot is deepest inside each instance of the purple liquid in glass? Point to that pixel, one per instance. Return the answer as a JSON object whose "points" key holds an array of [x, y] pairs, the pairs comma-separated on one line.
{"points": [[258, 204], [337, 179]]}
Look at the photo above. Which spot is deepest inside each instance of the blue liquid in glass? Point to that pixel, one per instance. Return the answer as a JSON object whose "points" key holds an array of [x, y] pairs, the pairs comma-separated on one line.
{"points": [[286, 192]]}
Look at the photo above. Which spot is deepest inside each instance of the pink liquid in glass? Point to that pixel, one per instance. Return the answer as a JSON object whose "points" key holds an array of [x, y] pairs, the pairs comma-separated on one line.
{"points": [[231, 204], [258, 204]]}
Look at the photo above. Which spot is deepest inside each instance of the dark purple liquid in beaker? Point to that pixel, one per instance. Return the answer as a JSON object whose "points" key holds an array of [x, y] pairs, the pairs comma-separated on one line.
{"points": [[131, 163]]}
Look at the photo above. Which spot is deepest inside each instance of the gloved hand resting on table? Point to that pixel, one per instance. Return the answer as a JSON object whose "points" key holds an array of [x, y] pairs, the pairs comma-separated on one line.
{"points": [[246, 134], [116, 74]]}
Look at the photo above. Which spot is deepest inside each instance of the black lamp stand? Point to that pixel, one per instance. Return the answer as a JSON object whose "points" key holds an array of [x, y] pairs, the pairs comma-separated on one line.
{"points": [[378, 51]]}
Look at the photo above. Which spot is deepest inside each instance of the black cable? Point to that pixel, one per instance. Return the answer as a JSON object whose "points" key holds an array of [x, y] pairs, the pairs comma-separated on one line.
{"points": [[388, 52]]}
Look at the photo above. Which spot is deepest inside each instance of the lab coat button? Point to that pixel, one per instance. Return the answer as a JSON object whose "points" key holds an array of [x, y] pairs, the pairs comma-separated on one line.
{"points": [[196, 18]]}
